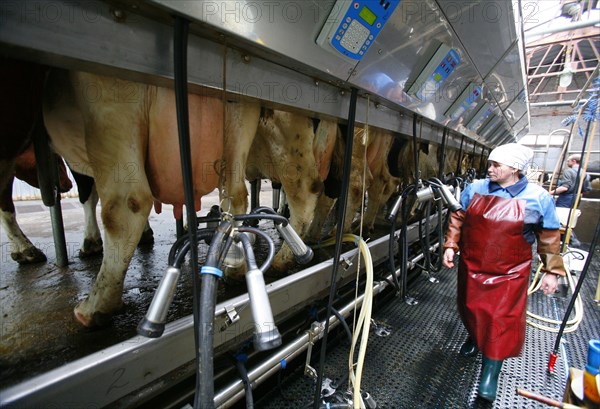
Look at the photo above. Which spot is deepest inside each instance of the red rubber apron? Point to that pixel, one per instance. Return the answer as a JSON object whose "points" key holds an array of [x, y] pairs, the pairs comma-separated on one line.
{"points": [[493, 275]]}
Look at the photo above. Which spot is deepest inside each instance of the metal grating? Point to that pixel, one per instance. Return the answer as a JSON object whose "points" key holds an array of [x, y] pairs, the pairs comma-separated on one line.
{"points": [[418, 365]]}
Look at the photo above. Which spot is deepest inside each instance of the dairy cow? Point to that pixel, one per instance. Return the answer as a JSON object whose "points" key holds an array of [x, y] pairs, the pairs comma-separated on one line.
{"points": [[124, 135], [369, 175], [23, 167], [22, 85], [296, 151]]}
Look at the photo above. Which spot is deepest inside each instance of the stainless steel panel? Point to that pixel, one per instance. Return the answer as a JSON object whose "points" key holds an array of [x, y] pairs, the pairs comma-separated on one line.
{"points": [[517, 108], [521, 123], [402, 50], [505, 81], [279, 61], [491, 125], [486, 28], [286, 27]]}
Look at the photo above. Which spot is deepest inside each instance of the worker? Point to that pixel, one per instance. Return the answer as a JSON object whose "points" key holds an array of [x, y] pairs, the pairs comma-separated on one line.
{"points": [[567, 189], [503, 218], [568, 186]]}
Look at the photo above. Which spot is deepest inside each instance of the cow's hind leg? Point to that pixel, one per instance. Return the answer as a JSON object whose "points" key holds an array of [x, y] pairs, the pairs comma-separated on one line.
{"points": [[116, 146], [22, 250]]}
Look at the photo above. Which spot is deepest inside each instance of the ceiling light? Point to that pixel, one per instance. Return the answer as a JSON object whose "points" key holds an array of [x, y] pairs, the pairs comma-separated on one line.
{"points": [[566, 76]]}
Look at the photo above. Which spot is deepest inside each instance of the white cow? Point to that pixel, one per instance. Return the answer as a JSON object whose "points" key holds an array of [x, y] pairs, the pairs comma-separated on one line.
{"points": [[124, 135]]}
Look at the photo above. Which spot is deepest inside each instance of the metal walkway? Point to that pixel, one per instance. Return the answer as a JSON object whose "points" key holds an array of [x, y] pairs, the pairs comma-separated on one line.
{"points": [[418, 365]]}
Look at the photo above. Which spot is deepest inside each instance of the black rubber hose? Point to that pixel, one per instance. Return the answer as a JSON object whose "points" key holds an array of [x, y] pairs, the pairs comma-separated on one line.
{"points": [[391, 256], [343, 322], [248, 250], [404, 252], [391, 241], [178, 246], [460, 154], [180, 38], [577, 289], [179, 256], [341, 214], [415, 149], [440, 236], [277, 219], [443, 153], [578, 182], [243, 372], [205, 391], [267, 263], [268, 210], [424, 236]]}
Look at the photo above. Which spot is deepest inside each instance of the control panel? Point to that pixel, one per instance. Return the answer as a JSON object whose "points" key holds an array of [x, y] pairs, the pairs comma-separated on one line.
{"points": [[352, 26], [438, 69], [482, 114], [466, 100]]}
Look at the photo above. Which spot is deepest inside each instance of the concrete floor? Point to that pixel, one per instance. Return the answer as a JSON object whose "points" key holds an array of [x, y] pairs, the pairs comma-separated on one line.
{"points": [[38, 331]]}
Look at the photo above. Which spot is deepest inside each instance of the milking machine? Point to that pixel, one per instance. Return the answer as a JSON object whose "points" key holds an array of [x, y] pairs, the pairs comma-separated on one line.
{"points": [[229, 230], [226, 232], [424, 193]]}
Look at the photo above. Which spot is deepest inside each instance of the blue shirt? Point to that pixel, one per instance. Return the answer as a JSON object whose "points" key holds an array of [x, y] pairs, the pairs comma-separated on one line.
{"points": [[540, 212]]}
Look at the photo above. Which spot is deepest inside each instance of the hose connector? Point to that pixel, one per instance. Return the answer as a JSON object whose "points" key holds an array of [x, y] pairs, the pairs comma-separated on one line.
{"points": [[302, 252], [394, 212], [453, 204], [153, 324], [266, 335]]}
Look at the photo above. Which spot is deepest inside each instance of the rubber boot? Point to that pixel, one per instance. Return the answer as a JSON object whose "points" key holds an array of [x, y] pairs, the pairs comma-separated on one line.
{"points": [[488, 384], [469, 348]]}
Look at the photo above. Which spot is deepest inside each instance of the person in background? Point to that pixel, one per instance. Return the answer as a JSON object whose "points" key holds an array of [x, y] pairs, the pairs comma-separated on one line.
{"points": [[567, 189], [567, 186], [503, 218]]}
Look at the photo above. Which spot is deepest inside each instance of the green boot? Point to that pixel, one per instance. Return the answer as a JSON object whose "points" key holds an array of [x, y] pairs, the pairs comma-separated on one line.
{"points": [[489, 378]]}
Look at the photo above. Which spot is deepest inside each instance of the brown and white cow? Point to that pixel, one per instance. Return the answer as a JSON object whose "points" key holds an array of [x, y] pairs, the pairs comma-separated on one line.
{"points": [[22, 85], [23, 167], [296, 151], [369, 174], [124, 135]]}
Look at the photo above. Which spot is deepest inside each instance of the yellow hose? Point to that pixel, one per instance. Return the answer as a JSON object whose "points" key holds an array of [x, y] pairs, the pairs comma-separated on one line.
{"points": [[571, 324], [364, 319]]}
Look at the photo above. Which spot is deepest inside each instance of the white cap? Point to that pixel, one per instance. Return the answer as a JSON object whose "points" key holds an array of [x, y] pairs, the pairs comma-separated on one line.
{"points": [[512, 154]]}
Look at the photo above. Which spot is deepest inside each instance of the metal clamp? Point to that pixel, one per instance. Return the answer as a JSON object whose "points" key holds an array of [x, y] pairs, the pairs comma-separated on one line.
{"points": [[231, 317], [314, 332]]}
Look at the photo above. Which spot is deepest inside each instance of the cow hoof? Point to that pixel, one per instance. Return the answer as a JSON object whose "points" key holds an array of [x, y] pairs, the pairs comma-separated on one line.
{"points": [[91, 247], [96, 318], [30, 255], [147, 237]]}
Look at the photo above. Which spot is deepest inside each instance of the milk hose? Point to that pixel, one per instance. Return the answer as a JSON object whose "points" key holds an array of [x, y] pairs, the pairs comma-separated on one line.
{"points": [[573, 324], [364, 319], [209, 274]]}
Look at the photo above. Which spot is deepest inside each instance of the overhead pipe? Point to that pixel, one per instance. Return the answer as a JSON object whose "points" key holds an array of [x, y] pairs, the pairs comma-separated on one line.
{"points": [[558, 29], [555, 103]]}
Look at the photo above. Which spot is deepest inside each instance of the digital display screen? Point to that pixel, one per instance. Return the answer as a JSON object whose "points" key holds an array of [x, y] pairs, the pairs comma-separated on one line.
{"points": [[367, 15]]}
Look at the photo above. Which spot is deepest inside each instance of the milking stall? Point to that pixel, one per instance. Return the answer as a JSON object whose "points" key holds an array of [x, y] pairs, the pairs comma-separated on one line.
{"points": [[264, 194]]}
